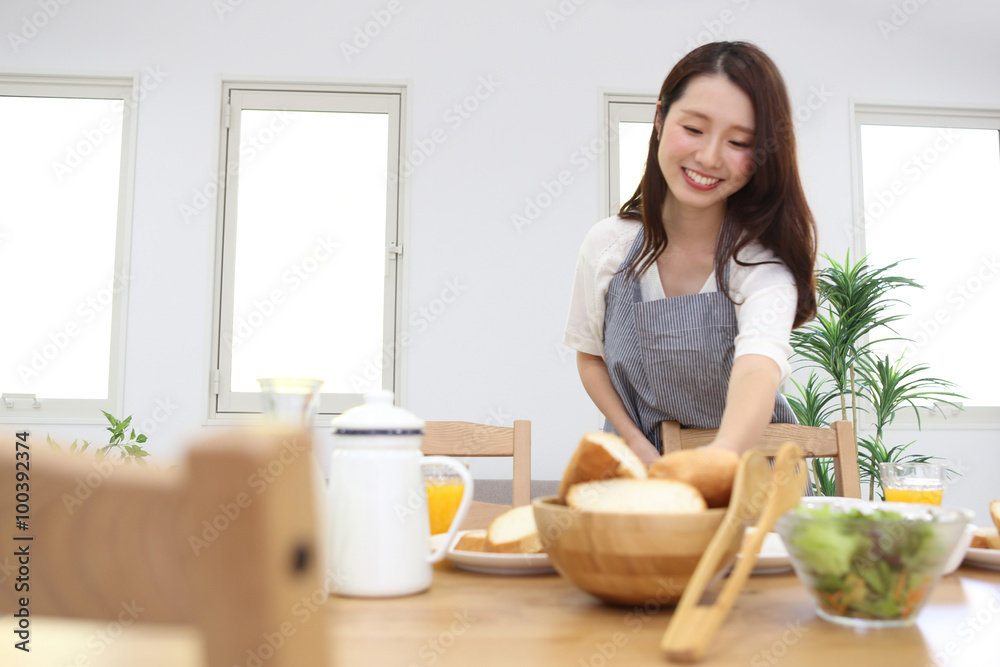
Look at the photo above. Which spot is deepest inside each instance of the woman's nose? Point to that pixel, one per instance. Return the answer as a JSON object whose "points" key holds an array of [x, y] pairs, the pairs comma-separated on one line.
{"points": [[710, 154]]}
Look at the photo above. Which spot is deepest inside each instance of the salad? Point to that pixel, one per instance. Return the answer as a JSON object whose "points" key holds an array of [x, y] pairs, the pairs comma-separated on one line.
{"points": [[868, 564]]}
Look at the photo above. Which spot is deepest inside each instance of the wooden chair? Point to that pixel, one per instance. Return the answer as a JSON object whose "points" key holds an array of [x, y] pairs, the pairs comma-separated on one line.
{"points": [[225, 542], [836, 442], [467, 439]]}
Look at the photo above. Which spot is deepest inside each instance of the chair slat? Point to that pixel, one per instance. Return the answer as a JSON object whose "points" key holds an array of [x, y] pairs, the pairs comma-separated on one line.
{"points": [[467, 439]]}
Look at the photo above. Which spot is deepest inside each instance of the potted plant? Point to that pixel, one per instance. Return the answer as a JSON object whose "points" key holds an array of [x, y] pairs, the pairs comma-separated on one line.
{"points": [[846, 373]]}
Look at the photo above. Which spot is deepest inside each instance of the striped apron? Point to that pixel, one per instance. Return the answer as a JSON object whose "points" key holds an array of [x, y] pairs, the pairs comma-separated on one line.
{"points": [[670, 359]]}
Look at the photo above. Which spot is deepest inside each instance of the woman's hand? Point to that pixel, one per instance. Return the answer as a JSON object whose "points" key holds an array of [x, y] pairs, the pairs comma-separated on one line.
{"points": [[724, 443], [643, 448], [597, 382]]}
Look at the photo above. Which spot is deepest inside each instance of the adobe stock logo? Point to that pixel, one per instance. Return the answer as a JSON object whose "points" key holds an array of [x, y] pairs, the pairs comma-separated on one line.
{"points": [[30, 25]]}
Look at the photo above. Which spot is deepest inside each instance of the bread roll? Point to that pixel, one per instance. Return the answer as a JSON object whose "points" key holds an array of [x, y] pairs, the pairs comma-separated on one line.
{"points": [[474, 540], [600, 456], [711, 471], [995, 513], [514, 531], [636, 496]]}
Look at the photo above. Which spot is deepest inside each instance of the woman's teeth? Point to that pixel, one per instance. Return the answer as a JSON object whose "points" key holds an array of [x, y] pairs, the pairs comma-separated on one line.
{"points": [[699, 179]]}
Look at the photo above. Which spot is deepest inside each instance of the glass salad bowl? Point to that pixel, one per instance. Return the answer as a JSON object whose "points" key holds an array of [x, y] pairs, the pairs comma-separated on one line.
{"points": [[870, 564]]}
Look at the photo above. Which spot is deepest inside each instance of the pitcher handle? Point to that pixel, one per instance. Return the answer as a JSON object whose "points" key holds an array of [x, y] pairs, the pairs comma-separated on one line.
{"points": [[463, 508]]}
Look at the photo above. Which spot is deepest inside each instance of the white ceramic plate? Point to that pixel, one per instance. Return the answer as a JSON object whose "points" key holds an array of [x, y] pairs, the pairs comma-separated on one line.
{"points": [[488, 563], [983, 558], [773, 557]]}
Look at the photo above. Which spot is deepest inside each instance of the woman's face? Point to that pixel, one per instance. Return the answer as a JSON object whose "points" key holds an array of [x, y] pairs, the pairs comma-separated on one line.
{"points": [[707, 143]]}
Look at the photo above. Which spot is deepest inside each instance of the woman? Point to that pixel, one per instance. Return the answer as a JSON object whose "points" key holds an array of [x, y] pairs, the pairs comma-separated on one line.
{"points": [[683, 304]]}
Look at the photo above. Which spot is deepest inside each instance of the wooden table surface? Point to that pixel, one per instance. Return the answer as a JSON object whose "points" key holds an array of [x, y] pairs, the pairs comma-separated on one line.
{"points": [[477, 620]]}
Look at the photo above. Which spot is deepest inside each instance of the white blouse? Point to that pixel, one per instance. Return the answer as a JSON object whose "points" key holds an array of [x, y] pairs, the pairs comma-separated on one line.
{"points": [[765, 294]]}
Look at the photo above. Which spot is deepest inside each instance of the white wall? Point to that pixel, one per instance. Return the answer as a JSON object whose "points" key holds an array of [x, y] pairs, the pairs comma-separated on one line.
{"points": [[494, 353]]}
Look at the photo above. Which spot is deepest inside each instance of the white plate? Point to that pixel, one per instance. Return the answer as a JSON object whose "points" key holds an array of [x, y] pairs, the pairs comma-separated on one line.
{"points": [[983, 558], [773, 557], [488, 563]]}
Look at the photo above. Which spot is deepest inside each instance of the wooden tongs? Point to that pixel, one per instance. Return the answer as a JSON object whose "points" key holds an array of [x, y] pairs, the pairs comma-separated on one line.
{"points": [[758, 491]]}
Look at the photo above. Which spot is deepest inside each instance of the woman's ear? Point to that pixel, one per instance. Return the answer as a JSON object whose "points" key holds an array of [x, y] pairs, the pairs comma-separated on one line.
{"points": [[658, 121]]}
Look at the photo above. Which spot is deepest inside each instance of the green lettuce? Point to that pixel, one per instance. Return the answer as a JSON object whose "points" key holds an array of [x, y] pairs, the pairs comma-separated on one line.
{"points": [[827, 546]]}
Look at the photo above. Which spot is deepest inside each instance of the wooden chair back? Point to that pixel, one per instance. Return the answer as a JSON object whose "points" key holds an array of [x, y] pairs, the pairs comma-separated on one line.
{"points": [[225, 542], [469, 439], [836, 442]]}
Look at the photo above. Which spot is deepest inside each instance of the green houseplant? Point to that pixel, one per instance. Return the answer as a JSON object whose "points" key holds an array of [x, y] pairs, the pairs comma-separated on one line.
{"points": [[120, 448], [847, 375]]}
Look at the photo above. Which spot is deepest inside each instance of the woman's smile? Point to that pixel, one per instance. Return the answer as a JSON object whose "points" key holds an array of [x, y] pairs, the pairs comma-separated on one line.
{"points": [[699, 180]]}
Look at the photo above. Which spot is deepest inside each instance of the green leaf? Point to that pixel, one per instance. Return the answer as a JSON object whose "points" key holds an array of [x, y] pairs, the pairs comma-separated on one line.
{"points": [[141, 438], [856, 313]]}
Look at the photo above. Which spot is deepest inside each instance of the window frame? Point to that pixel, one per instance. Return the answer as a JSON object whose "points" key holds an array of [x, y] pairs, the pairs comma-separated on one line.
{"points": [[224, 405], [620, 107], [861, 112], [127, 89]]}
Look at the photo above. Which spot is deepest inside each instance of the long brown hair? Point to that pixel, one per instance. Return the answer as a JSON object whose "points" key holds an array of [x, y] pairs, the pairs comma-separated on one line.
{"points": [[771, 208]]}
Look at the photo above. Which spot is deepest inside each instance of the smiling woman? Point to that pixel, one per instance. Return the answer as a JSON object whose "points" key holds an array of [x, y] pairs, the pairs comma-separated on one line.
{"points": [[721, 215]]}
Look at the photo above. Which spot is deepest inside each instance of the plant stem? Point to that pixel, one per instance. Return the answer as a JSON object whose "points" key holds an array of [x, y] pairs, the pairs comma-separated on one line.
{"points": [[854, 406]]}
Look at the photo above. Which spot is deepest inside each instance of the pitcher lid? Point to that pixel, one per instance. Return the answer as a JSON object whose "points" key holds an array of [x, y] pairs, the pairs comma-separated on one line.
{"points": [[378, 416]]}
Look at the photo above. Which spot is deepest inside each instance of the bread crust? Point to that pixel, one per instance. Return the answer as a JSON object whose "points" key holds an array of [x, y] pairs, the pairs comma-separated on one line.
{"points": [[711, 471], [474, 540], [600, 456]]}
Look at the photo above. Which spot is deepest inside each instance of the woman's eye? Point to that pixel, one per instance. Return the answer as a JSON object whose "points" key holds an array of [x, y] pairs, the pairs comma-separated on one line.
{"points": [[692, 130], [740, 144]]}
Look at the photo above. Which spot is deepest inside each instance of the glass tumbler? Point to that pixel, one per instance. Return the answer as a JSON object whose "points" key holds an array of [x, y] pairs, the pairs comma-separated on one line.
{"points": [[913, 482]]}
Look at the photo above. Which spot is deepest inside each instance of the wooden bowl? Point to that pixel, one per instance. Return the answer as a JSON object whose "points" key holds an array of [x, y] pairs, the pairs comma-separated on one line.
{"points": [[627, 559]]}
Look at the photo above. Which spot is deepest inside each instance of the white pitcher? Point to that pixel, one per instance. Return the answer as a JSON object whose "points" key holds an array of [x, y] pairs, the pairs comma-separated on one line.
{"points": [[378, 525]]}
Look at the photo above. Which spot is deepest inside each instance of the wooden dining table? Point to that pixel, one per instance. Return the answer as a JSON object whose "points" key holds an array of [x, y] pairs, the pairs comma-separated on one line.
{"points": [[470, 619]]}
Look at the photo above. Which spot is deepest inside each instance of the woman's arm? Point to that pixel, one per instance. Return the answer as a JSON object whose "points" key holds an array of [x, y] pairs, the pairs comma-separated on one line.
{"points": [[749, 402], [597, 382]]}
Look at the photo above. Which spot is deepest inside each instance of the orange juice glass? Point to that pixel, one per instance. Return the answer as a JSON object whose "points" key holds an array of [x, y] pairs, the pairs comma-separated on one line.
{"points": [[444, 495], [913, 482]]}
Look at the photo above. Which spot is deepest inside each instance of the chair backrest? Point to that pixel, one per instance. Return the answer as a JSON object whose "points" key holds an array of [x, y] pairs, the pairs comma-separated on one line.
{"points": [[225, 542], [836, 442], [471, 439]]}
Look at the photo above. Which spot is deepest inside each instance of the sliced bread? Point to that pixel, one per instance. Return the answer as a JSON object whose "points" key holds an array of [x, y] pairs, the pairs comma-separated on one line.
{"points": [[474, 540], [636, 496], [985, 538], [711, 471], [514, 531], [601, 456]]}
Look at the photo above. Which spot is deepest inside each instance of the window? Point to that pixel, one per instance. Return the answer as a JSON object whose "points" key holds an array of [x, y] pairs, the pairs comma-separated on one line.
{"points": [[309, 243], [65, 216], [630, 121], [927, 180]]}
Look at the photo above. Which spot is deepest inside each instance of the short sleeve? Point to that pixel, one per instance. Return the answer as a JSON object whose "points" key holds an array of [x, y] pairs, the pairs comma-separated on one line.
{"points": [[602, 253], [766, 298]]}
